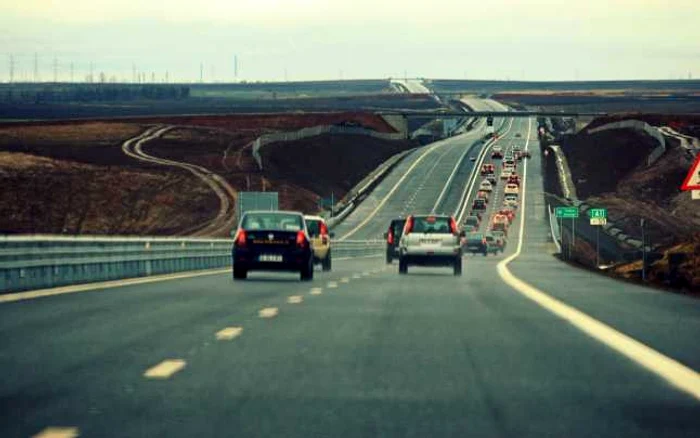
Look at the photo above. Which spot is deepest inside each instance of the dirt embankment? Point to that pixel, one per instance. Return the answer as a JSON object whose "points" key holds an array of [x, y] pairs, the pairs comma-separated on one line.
{"points": [[74, 177], [610, 170]]}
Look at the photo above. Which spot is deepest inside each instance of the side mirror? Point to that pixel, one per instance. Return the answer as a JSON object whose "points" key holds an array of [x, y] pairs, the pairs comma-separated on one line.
{"points": [[233, 232]]}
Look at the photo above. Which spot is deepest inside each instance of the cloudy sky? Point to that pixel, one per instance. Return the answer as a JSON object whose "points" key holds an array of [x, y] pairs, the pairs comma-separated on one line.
{"points": [[329, 39]]}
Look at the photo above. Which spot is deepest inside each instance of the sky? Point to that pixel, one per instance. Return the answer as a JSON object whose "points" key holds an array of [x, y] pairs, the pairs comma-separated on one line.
{"points": [[351, 39]]}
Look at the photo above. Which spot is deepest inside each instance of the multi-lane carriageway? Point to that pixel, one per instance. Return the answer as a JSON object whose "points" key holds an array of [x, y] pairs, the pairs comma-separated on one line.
{"points": [[519, 345]]}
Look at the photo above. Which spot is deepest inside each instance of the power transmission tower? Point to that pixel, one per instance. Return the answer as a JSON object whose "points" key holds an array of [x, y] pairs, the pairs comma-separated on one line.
{"points": [[36, 67], [55, 69], [92, 73], [153, 77], [235, 66], [134, 78], [72, 72], [201, 72], [12, 68]]}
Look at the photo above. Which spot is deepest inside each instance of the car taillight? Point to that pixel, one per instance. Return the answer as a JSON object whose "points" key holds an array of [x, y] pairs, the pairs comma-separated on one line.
{"points": [[390, 237], [483, 241], [301, 239], [453, 226], [409, 225], [241, 238], [324, 229]]}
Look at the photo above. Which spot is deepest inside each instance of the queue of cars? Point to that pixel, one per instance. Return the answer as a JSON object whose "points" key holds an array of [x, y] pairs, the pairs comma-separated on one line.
{"points": [[290, 241]]}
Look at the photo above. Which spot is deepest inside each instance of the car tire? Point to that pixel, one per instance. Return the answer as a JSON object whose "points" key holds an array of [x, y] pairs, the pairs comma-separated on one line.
{"points": [[327, 263], [389, 258], [457, 268], [403, 267], [486, 252], [307, 273], [239, 273]]}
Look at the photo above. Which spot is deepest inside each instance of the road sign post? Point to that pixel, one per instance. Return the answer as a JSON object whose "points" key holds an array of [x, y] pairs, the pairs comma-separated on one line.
{"points": [[568, 213], [598, 217]]}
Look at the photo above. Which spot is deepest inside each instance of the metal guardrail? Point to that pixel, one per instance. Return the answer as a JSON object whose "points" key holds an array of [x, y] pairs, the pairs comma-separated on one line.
{"points": [[44, 261], [554, 227]]}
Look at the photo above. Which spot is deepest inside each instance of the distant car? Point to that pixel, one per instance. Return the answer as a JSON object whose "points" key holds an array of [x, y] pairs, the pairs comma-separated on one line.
{"points": [[517, 148], [509, 213], [485, 186], [511, 189], [488, 169], [431, 240], [526, 154], [272, 241], [474, 221], [518, 135], [320, 241], [500, 223], [514, 179], [393, 237], [478, 243], [479, 204], [492, 179], [496, 155], [505, 174], [470, 229], [483, 195], [511, 201], [501, 239], [472, 158], [509, 163]]}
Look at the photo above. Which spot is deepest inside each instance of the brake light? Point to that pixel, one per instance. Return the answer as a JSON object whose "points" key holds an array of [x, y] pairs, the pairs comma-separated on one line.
{"points": [[483, 241], [390, 237], [241, 237], [324, 229], [453, 226], [301, 239], [409, 225]]}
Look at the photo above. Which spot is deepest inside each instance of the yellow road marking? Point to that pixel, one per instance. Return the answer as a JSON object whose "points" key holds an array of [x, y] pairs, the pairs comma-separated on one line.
{"points": [[332, 285], [345, 280], [672, 371], [268, 312], [165, 369], [58, 432], [295, 299], [229, 333], [21, 296], [316, 291]]}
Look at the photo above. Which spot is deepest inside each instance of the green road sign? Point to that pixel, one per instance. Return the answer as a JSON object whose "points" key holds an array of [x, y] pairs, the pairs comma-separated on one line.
{"points": [[598, 213], [566, 212]]}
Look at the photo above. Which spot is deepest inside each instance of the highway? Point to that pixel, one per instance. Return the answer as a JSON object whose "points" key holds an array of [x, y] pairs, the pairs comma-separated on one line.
{"points": [[499, 352]]}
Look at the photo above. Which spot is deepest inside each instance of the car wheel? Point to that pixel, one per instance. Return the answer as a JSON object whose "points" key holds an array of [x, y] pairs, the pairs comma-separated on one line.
{"points": [[327, 262], [486, 252], [457, 268], [389, 258], [239, 273], [403, 266], [307, 273]]}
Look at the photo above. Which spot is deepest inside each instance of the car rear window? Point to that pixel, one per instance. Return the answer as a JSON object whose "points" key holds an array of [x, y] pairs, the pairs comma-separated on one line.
{"points": [[472, 220], [431, 224], [397, 226], [474, 238], [313, 226], [272, 221]]}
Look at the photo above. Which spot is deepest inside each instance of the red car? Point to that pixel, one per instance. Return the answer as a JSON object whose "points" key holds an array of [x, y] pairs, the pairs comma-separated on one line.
{"points": [[514, 179]]}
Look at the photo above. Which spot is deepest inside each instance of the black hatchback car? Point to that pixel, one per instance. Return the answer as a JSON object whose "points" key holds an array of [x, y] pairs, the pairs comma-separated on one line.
{"points": [[272, 241], [393, 236]]}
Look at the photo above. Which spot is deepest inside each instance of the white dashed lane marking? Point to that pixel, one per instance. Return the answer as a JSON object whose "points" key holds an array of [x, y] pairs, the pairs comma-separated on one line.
{"points": [[345, 280], [316, 291], [295, 299], [332, 285], [165, 369], [229, 333], [268, 312], [58, 432]]}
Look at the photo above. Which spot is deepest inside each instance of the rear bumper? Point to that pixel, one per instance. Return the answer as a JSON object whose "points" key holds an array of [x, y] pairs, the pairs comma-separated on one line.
{"points": [[430, 260], [291, 261]]}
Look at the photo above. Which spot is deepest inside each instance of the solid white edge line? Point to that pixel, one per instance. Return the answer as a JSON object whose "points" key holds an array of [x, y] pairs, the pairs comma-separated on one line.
{"points": [[676, 374], [39, 293]]}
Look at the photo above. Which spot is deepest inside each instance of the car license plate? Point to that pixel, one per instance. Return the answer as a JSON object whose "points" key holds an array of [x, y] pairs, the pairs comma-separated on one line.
{"points": [[429, 241], [270, 258]]}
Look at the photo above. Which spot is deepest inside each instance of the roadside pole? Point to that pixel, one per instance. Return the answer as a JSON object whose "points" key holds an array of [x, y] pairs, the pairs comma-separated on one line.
{"points": [[642, 222], [573, 237], [561, 233], [597, 247]]}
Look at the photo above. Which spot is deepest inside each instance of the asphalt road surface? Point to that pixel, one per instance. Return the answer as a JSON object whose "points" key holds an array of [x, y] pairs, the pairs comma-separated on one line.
{"points": [[362, 351]]}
